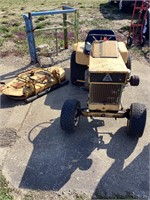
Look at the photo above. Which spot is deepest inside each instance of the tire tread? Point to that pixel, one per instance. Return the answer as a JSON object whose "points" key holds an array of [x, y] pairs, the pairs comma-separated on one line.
{"points": [[137, 120], [67, 115]]}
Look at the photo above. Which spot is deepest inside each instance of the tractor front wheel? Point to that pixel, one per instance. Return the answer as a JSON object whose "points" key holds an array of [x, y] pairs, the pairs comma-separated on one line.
{"points": [[134, 80], [137, 120], [70, 115]]}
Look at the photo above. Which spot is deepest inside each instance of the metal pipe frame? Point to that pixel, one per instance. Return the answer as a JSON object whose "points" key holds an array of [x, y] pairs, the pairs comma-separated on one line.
{"points": [[30, 30]]}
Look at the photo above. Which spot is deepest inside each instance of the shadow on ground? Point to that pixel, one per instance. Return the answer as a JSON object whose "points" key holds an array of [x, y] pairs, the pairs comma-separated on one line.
{"points": [[57, 155], [56, 98], [13, 74], [112, 12], [130, 181], [6, 102]]}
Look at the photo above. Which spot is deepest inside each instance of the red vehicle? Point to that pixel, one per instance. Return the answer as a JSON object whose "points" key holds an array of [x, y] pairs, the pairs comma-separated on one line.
{"points": [[127, 6]]}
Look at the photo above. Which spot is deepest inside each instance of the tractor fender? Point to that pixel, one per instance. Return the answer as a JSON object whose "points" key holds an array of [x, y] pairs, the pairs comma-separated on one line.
{"points": [[81, 57], [123, 51]]}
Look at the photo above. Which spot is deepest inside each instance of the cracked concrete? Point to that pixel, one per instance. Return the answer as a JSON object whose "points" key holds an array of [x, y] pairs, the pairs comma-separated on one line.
{"points": [[98, 159]]}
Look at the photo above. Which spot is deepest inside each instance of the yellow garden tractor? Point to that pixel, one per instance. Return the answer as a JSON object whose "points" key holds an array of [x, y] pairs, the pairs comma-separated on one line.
{"points": [[103, 65]]}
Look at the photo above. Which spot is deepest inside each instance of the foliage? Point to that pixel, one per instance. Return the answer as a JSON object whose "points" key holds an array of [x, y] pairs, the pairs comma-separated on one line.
{"points": [[4, 189]]}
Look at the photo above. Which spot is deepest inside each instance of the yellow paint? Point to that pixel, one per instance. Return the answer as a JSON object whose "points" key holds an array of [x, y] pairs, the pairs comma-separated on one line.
{"points": [[33, 81], [81, 58]]}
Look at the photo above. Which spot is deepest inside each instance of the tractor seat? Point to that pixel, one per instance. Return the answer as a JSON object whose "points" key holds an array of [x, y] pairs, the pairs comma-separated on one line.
{"points": [[97, 35]]}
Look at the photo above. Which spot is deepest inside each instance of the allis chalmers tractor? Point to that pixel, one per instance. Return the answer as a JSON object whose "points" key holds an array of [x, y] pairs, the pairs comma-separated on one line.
{"points": [[103, 65]]}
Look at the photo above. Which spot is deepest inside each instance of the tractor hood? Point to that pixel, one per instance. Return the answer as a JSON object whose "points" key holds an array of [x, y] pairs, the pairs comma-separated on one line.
{"points": [[105, 57]]}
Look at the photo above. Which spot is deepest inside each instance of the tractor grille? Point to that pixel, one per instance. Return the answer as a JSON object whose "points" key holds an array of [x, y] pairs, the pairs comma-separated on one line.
{"points": [[105, 93]]}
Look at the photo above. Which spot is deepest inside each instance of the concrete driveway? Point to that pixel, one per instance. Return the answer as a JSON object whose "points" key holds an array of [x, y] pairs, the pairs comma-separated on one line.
{"points": [[98, 159]]}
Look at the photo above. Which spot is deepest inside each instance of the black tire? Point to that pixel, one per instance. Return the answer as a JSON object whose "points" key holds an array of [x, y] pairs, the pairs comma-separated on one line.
{"points": [[134, 80], [128, 64], [77, 71], [129, 41], [143, 40], [137, 120], [70, 115], [148, 25]]}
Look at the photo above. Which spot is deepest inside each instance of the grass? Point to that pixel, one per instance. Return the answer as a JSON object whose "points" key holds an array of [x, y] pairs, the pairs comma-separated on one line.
{"points": [[1, 41], [40, 26], [4, 189], [93, 15], [4, 29], [7, 35], [6, 193], [41, 18], [11, 18]]}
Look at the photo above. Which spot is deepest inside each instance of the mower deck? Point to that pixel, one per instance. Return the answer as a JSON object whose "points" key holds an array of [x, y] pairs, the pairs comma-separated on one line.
{"points": [[34, 83]]}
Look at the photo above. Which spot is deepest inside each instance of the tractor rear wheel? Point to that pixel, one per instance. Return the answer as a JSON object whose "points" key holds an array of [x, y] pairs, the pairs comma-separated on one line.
{"points": [[128, 64], [129, 41], [143, 40], [77, 71], [70, 115], [137, 120]]}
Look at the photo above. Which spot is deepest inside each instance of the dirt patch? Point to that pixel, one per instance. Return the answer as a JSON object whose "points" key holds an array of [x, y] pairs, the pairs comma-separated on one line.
{"points": [[8, 137], [71, 195]]}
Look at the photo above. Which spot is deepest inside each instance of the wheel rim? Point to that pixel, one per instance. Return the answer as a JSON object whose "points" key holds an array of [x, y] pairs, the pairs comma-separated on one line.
{"points": [[120, 5]]}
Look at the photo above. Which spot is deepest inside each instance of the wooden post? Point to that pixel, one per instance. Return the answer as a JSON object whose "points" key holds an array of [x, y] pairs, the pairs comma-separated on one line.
{"points": [[76, 26], [65, 31], [56, 42]]}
